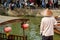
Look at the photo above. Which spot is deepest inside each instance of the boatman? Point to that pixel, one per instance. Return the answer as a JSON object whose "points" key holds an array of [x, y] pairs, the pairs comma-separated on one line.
{"points": [[47, 25]]}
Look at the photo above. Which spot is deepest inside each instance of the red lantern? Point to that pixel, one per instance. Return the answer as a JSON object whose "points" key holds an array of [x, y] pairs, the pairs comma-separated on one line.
{"points": [[25, 26], [7, 29]]}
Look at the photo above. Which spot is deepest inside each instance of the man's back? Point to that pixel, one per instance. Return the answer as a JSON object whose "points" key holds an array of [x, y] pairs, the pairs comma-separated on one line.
{"points": [[48, 25]]}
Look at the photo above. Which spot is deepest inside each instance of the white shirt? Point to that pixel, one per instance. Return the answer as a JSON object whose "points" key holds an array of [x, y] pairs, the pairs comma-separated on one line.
{"points": [[47, 26]]}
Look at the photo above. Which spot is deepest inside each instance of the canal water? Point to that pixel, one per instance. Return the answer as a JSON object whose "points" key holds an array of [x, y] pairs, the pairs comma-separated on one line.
{"points": [[32, 32]]}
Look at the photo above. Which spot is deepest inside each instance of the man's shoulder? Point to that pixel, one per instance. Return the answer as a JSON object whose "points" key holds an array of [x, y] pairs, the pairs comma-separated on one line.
{"points": [[43, 18], [48, 18]]}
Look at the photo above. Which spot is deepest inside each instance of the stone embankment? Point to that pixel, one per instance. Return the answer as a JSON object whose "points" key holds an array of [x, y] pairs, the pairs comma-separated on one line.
{"points": [[34, 12]]}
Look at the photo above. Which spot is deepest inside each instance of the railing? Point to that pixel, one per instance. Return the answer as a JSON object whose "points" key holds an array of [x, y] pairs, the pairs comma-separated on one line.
{"points": [[12, 37]]}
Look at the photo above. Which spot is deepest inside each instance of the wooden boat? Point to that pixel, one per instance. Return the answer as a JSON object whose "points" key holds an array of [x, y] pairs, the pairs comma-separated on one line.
{"points": [[57, 29]]}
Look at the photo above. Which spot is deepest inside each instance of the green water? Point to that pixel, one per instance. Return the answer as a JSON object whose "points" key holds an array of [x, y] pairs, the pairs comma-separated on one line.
{"points": [[32, 32]]}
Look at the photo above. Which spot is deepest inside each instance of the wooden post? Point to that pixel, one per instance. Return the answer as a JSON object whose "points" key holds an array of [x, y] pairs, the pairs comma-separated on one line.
{"points": [[24, 36]]}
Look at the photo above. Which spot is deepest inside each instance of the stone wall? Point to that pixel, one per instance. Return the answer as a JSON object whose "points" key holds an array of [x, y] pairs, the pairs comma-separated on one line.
{"points": [[56, 12], [34, 12]]}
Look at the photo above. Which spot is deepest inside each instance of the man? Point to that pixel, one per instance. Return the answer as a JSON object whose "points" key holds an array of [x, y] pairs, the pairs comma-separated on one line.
{"points": [[43, 3], [50, 3], [47, 25], [55, 3], [38, 3]]}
